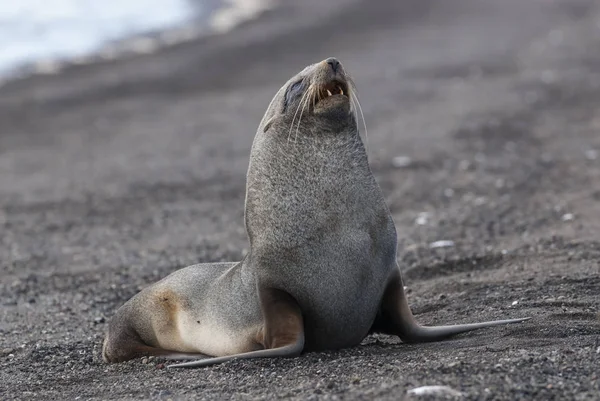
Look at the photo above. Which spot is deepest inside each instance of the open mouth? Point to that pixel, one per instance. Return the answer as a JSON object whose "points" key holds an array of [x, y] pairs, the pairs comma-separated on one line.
{"points": [[331, 89]]}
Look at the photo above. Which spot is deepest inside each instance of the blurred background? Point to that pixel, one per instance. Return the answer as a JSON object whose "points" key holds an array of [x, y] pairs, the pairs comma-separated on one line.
{"points": [[125, 132]]}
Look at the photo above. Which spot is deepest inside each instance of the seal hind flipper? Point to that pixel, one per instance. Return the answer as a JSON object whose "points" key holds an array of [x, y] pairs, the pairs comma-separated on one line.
{"points": [[396, 318], [282, 335]]}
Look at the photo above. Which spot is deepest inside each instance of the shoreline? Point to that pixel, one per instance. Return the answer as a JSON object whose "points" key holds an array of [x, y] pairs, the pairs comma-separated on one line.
{"points": [[218, 17]]}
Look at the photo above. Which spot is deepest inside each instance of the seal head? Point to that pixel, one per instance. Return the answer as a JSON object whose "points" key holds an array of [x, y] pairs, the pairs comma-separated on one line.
{"points": [[322, 90]]}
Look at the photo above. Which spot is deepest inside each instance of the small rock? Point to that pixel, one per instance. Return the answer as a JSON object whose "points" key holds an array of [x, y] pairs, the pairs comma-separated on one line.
{"points": [[441, 244], [481, 200], [567, 217], [448, 192], [444, 391], [401, 161], [98, 320], [422, 219], [515, 303], [160, 366], [144, 360], [6, 351]]}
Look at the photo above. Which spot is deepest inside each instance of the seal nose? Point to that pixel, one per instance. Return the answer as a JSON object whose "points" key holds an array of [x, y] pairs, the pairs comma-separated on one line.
{"points": [[333, 63]]}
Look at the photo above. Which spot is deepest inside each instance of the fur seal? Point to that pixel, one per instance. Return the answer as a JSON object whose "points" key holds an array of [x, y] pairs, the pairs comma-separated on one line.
{"points": [[321, 272]]}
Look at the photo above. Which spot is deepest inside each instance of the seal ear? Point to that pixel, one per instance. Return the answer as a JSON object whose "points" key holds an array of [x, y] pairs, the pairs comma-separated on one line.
{"points": [[268, 124]]}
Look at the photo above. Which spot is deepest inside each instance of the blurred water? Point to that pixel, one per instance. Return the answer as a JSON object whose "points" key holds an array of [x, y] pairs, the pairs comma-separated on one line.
{"points": [[56, 29]]}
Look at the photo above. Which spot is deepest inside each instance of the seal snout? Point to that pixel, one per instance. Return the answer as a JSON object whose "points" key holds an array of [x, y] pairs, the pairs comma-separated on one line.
{"points": [[330, 82], [333, 63]]}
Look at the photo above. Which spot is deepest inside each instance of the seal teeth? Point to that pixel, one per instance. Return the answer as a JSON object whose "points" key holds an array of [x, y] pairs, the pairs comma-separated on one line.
{"points": [[341, 90], [328, 92]]}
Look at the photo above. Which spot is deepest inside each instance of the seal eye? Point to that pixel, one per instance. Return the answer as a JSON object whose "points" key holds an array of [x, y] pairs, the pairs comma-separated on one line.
{"points": [[292, 91], [295, 86]]}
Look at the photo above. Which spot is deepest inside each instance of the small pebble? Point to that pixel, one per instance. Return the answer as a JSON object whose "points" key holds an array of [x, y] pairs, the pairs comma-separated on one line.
{"points": [[422, 219], [515, 303], [401, 161], [444, 391], [567, 217], [442, 244], [481, 200], [98, 320]]}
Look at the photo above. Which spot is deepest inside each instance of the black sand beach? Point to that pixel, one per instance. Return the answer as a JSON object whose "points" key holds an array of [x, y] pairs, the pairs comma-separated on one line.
{"points": [[483, 130]]}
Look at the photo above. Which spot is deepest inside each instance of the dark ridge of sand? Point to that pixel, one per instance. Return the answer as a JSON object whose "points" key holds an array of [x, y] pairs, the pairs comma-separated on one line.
{"points": [[114, 175]]}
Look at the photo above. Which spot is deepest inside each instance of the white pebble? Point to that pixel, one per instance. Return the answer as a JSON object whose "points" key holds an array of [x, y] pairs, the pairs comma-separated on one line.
{"points": [[442, 244], [435, 390], [422, 219], [515, 303], [567, 217]]}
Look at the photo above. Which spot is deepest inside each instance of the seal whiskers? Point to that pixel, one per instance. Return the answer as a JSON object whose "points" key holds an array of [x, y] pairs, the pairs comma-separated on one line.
{"points": [[304, 104], [356, 103]]}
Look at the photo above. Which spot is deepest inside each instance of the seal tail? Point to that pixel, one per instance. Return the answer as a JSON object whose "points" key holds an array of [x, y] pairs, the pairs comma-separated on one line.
{"points": [[397, 318]]}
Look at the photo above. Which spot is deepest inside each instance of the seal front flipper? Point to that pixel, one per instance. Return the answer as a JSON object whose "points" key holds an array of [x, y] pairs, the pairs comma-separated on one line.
{"points": [[125, 344], [282, 334], [395, 317]]}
